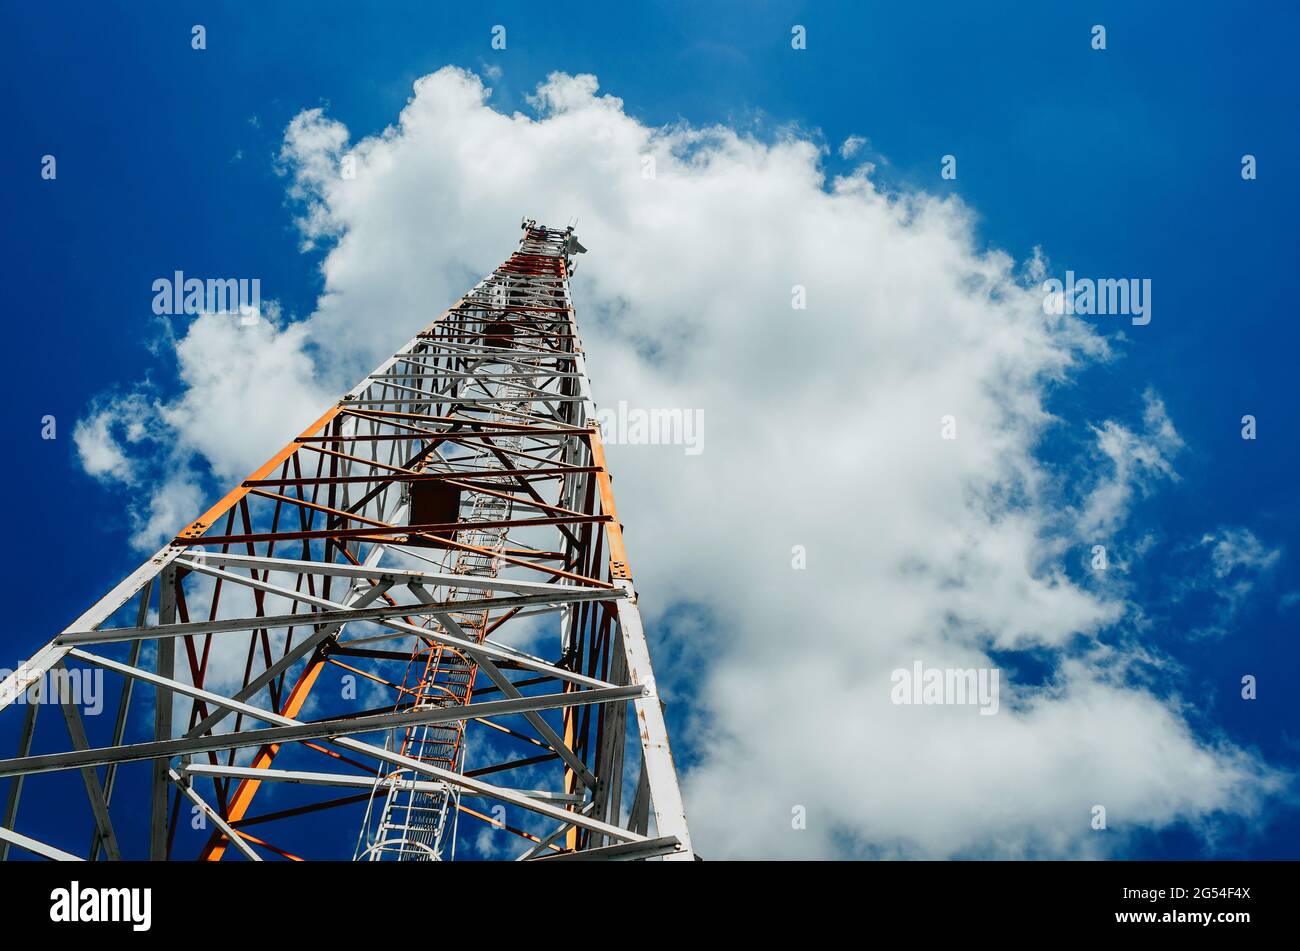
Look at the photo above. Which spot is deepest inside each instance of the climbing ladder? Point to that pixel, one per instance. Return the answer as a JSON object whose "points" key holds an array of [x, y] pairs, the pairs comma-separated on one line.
{"points": [[413, 822]]}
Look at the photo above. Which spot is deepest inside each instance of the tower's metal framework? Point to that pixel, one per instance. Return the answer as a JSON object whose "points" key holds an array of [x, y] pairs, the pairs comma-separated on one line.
{"points": [[355, 652]]}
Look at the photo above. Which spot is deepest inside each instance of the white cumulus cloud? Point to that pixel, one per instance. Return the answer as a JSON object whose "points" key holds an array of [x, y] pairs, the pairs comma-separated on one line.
{"points": [[825, 430]]}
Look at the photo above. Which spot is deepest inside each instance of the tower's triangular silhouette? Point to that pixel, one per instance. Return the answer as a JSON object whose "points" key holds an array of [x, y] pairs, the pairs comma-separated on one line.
{"points": [[346, 626]]}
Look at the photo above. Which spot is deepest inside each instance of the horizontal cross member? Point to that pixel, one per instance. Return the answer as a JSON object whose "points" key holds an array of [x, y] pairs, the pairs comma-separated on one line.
{"points": [[405, 531], [100, 756], [312, 618], [340, 779]]}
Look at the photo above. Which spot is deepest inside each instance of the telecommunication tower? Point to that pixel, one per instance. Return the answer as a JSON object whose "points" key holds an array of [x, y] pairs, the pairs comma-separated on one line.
{"points": [[414, 624]]}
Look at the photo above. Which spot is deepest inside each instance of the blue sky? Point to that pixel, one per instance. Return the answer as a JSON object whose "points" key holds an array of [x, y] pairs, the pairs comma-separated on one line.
{"points": [[1123, 162]]}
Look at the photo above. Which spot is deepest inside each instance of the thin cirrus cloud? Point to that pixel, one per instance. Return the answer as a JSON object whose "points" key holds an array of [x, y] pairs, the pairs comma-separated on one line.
{"points": [[823, 430]]}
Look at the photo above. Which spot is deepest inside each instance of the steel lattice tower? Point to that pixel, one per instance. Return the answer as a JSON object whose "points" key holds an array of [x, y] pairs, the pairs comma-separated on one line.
{"points": [[341, 633]]}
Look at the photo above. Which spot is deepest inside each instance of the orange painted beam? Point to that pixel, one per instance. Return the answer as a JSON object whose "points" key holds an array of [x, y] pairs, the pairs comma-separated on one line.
{"points": [[247, 788], [205, 521], [618, 566]]}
